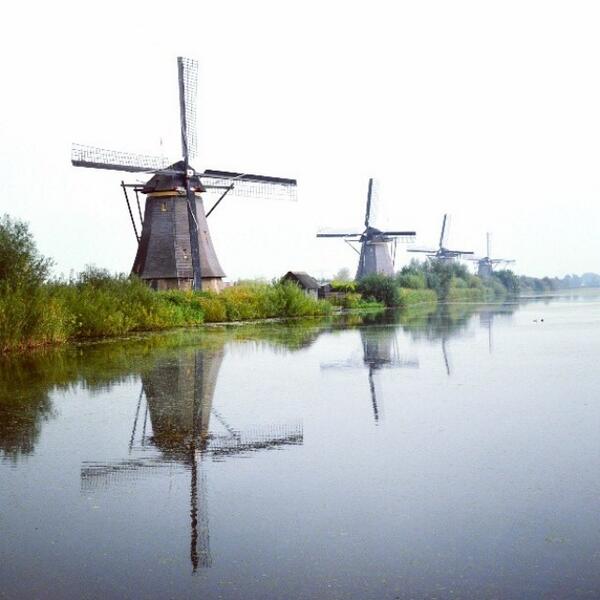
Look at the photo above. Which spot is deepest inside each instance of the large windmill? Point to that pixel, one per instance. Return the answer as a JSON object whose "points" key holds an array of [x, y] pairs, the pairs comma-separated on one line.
{"points": [[485, 265], [374, 244], [442, 252], [175, 249]]}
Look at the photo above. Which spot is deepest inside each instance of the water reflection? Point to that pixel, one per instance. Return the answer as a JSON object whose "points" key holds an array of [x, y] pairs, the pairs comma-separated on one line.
{"points": [[24, 405], [487, 316], [379, 351], [449, 321], [27, 382], [178, 391]]}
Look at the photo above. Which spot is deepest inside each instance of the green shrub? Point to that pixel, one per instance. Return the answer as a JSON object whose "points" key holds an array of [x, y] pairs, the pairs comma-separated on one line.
{"points": [[411, 279], [31, 317], [379, 288], [214, 310], [412, 297], [252, 301], [343, 286]]}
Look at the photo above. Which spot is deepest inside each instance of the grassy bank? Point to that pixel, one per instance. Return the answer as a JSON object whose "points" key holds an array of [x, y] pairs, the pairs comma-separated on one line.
{"points": [[36, 310], [410, 298], [96, 304], [379, 291], [93, 305], [250, 301]]}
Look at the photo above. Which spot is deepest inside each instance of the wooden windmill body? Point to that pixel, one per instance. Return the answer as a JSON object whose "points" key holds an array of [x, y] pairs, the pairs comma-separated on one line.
{"points": [[164, 257], [487, 264], [175, 249]]}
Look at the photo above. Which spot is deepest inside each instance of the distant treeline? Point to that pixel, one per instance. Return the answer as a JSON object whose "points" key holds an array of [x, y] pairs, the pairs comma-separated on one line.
{"points": [[452, 282], [432, 281], [568, 282]]}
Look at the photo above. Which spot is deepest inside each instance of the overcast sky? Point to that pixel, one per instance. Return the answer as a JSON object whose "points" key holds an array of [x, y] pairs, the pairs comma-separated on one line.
{"points": [[489, 111]]}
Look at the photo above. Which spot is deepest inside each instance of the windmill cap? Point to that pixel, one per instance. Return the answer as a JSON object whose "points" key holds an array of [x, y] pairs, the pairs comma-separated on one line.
{"points": [[165, 182]]}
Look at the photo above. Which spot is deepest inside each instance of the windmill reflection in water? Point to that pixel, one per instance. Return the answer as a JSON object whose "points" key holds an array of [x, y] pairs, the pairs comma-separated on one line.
{"points": [[380, 351], [178, 395]]}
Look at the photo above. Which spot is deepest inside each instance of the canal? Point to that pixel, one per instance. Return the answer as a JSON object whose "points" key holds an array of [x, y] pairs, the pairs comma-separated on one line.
{"points": [[447, 453]]}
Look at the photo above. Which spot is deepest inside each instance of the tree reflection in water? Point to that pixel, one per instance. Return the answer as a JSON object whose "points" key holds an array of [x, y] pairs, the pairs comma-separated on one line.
{"points": [[28, 381]]}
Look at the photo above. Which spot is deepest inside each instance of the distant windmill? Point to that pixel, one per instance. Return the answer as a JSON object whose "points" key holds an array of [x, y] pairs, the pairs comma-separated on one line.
{"points": [[442, 252], [175, 249], [374, 252], [485, 265]]}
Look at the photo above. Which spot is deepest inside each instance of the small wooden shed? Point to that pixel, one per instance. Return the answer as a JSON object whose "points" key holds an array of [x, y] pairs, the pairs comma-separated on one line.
{"points": [[306, 282]]}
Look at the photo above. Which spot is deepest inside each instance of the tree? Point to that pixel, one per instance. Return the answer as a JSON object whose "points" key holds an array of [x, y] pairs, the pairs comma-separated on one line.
{"points": [[21, 265], [509, 280], [342, 275]]}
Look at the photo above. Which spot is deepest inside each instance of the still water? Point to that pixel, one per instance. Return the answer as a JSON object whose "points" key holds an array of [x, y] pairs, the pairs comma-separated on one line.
{"points": [[446, 454]]}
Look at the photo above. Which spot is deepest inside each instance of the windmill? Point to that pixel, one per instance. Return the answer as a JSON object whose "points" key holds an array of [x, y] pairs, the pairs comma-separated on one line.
{"points": [[374, 251], [442, 252], [380, 351], [175, 249], [485, 265]]}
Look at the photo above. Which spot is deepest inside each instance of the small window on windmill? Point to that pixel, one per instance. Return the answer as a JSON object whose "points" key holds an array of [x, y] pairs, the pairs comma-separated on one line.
{"points": [[163, 207]]}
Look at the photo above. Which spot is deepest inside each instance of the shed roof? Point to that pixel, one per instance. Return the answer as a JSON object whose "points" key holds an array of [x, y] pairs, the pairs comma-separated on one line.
{"points": [[304, 279]]}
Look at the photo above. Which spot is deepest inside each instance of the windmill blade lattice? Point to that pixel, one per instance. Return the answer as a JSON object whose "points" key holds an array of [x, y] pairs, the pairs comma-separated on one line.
{"points": [[324, 234], [250, 186], [114, 160], [187, 70], [372, 202], [444, 232]]}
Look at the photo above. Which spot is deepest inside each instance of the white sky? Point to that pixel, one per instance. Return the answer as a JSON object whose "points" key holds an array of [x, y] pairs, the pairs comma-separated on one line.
{"points": [[487, 110]]}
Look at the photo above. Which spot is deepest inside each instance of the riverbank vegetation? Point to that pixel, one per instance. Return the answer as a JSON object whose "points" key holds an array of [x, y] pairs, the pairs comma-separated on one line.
{"points": [[431, 282], [37, 310]]}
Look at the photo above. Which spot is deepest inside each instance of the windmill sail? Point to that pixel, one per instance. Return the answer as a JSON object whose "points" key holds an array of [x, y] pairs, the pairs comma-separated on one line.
{"points": [[187, 72], [250, 186], [442, 252], [101, 158]]}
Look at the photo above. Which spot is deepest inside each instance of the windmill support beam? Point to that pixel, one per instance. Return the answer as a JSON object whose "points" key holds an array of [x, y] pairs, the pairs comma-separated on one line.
{"points": [[137, 237], [351, 246], [194, 244], [219, 200], [139, 207]]}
